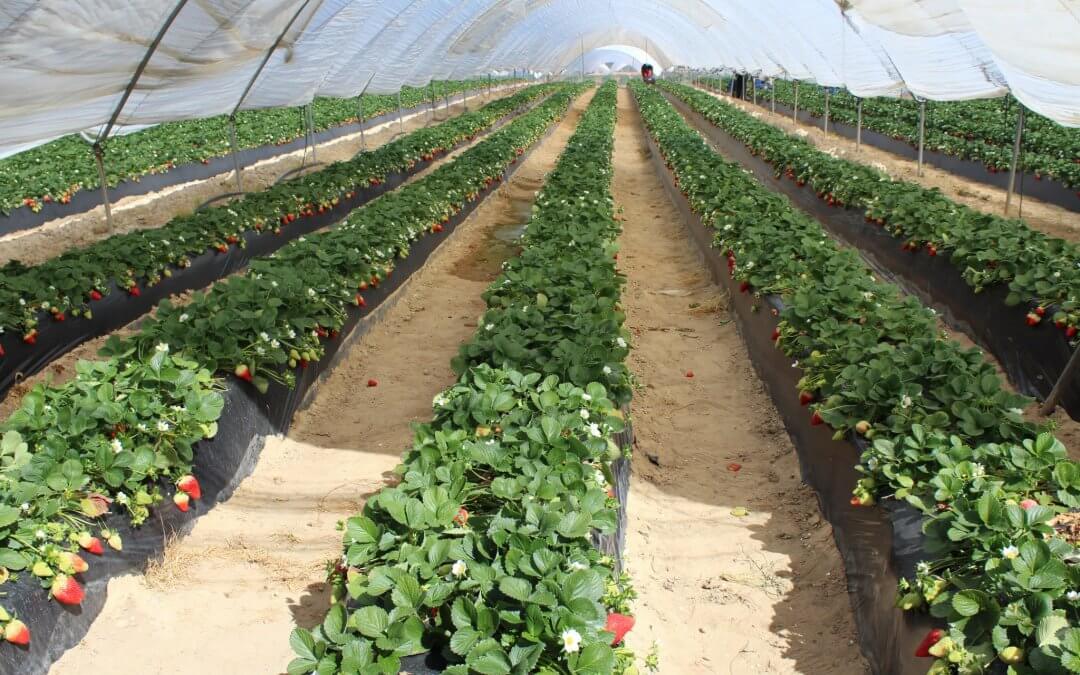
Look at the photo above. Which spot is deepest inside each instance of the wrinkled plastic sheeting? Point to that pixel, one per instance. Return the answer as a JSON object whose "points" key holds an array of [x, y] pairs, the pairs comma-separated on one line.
{"points": [[67, 63]]}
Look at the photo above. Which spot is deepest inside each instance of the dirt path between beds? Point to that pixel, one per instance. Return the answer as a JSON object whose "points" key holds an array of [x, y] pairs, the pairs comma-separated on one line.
{"points": [[1055, 221], [157, 208], [227, 596], [720, 593]]}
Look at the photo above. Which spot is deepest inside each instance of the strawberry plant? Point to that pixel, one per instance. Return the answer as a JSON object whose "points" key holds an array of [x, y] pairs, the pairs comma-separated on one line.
{"points": [[1041, 272], [55, 171], [123, 428], [71, 282], [273, 319], [981, 130], [481, 553], [937, 428], [107, 440]]}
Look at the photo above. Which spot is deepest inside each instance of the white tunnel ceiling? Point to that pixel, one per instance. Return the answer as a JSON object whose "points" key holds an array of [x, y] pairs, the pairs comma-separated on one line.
{"points": [[65, 64]]}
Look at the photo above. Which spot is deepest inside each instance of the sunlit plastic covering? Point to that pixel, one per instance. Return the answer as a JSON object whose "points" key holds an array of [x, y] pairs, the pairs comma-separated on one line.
{"points": [[65, 64]]}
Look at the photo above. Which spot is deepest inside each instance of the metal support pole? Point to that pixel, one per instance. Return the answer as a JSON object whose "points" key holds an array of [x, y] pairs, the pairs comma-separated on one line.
{"points": [[431, 108], [360, 105], [795, 114], [1059, 387], [1015, 163], [581, 41], [858, 124], [753, 87], [922, 133], [773, 90], [233, 149], [744, 86], [99, 156], [309, 117], [489, 85], [826, 110], [465, 99], [400, 113]]}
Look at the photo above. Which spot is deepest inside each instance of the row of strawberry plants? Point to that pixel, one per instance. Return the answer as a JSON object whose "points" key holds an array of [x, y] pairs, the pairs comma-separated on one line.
{"points": [[1041, 271], [68, 284], [981, 130], [481, 554], [58, 169], [122, 431], [937, 428]]}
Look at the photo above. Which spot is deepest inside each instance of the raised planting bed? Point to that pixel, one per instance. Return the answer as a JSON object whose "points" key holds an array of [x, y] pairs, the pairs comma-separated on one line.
{"points": [[103, 287], [951, 142], [223, 457], [480, 559], [944, 260], [179, 152], [936, 438]]}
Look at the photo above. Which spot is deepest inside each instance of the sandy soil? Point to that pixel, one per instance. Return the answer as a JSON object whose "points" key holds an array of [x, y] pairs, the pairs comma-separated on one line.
{"points": [[762, 593], [1049, 218], [227, 596], [156, 209]]}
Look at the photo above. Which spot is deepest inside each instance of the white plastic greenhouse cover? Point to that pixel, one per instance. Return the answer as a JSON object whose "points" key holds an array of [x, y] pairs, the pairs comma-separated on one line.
{"points": [[66, 64]]}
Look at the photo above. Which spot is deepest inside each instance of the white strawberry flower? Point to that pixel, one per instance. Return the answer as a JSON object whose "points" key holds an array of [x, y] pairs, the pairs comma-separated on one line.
{"points": [[291, 334], [141, 426], [162, 347], [459, 569], [259, 350], [905, 402], [1017, 411], [586, 397], [621, 342], [1073, 596], [599, 478], [184, 317], [22, 302], [121, 498], [1010, 552], [311, 292], [264, 336], [439, 401], [490, 326], [978, 470], [274, 343], [584, 414], [163, 426], [607, 370], [576, 566], [25, 506], [594, 430], [117, 446], [40, 534], [571, 640]]}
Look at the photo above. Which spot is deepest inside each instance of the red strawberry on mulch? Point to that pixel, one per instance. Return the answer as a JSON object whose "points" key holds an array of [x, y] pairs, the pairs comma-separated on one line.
{"points": [[66, 590]]}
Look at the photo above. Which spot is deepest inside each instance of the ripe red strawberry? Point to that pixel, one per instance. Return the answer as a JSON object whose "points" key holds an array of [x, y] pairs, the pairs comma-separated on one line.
{"points": [[1040, 310], [1032, 319], [806, 397], [734, 467], [243, 372], [363, 285], [462, 517], [372, 383], [1, 350], [31, 337], [775, 334], [689, 373], [816, 419], [931, 249], [437, 227], [931, 639], [91, 544], [94, 294], [17, 633], [620, 625], [1028, 503], [182, 501], [190, 485], [134, 291], [66, 590], [1070, 332], [222, 248], [744, 286], [59, 316]]}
